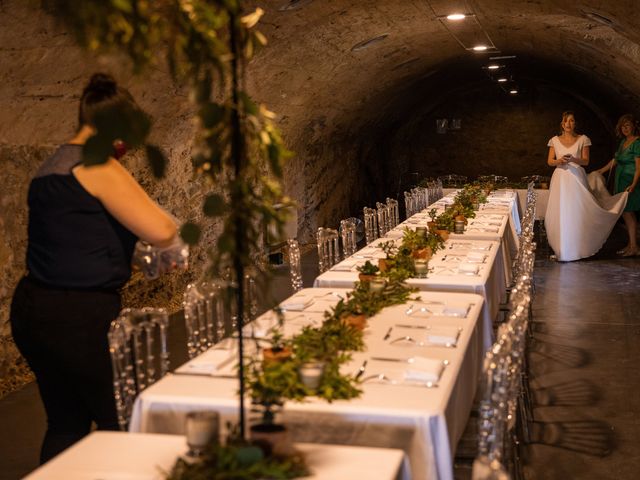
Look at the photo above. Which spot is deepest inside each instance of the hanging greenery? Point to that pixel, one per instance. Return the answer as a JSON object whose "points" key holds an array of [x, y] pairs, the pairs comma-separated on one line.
{"points": [[237, 148]]}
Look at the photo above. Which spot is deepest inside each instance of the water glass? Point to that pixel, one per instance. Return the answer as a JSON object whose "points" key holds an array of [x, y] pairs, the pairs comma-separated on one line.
{"points": [[202, 428]]}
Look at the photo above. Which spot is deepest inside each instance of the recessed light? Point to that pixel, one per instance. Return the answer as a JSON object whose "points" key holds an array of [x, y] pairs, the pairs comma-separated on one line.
{"points": [[513, 92], [480, 48], [456, 16], [501, 80], [493, 67]]}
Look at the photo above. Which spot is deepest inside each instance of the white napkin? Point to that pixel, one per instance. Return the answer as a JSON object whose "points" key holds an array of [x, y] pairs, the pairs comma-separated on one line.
{"points": [[455, 311], [475, 257], [464, 267], [208, 362], [443, 335], [344, 266], [424, 370], [296, 304]]}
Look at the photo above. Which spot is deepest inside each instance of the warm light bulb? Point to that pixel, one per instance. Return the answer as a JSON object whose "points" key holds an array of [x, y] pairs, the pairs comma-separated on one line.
{"points": [[513, 92], [480, 48], [493, 67], [456, 16], [502, 80]]}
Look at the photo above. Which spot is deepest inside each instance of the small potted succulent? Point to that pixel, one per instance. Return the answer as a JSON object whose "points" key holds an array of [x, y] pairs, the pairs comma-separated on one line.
{"points": [[433, 214], [367, 272]]}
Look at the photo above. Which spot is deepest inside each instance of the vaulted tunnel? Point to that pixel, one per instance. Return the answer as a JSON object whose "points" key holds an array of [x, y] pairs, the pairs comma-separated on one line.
{"points": [[357, 86]]}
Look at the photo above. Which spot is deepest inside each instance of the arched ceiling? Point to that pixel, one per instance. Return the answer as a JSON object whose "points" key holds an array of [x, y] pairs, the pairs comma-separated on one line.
{"points": [[316, 62]]}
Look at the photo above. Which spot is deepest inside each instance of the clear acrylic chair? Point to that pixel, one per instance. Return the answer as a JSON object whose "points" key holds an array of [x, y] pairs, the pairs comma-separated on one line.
{"points": [[409, 204], [348, 236], [370, 224], [295, 267], [394, 212], [383, 218], [134, 339], [495, 179], [453, 180], [328, 248], [206, 316]]}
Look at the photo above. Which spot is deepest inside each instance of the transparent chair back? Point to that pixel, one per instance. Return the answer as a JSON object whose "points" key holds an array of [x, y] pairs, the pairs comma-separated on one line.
{"points": [[328, 248], [206, 316], [370, 224], [383, 218], [495, 179], [139, 355], [394, 212], [348, 236], [295, 266], [453, 180]]}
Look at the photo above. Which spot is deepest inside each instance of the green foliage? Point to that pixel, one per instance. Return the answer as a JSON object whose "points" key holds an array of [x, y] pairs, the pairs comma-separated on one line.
{"points": [[239, 462], [368, 268], [400, 258]]}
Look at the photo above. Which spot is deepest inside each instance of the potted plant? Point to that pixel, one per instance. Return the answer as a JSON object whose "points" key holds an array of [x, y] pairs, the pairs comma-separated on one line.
{"points": [[351, 314], [280, 350], [433, 213], [368, 271]]}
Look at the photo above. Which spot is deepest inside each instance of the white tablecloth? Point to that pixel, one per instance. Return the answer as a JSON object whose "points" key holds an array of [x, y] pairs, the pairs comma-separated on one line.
{"points": [[489, 282], [541, 202], [131, 456], [425, 422]]}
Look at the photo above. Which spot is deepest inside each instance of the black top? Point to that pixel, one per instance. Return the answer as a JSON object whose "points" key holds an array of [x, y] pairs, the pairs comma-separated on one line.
{"points": [[73, 241]]}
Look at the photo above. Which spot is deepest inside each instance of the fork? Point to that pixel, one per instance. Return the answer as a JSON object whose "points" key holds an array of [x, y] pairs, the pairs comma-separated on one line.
{"points": [[361, 370]]}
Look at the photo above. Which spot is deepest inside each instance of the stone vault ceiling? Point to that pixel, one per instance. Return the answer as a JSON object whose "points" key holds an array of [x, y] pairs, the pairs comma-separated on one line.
{"points": [[316, 63]]}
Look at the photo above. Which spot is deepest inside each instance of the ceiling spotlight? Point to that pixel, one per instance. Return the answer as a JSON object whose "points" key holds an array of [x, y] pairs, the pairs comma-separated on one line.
{"points": [[456, 16], [493, 67], [503, 79], [480, 48], [513, 92]]}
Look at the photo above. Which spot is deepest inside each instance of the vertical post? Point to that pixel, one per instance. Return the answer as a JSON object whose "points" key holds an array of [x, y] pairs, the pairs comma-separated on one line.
{"points": [[237, 198]]}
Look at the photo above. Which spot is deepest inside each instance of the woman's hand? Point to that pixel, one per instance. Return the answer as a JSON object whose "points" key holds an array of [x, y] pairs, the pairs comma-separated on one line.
{"points": [[630, 188]]}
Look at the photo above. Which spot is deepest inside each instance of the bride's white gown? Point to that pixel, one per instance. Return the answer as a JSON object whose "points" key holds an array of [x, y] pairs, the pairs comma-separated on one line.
{"points": [[579, 218]]}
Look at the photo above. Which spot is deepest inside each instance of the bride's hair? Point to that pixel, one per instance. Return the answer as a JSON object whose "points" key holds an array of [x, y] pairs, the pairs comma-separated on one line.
{"points": [[565, 114], [627, 118]]}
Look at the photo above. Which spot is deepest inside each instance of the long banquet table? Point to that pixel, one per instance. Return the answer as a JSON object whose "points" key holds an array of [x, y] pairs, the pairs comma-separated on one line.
{"points": [[119, 455], [424, 421], [451, 271]]}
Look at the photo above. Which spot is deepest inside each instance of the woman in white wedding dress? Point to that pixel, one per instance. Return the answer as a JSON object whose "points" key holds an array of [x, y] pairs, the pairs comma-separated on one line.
{"points": [[577, 222]]}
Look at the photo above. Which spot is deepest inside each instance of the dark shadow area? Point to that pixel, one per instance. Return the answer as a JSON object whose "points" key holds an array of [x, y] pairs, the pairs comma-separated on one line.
{"points": [[589, 437], [571, 393], [556, 353]]}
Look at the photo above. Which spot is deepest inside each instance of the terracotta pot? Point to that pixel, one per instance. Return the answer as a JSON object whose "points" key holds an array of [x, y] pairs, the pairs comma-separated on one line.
{"points": [[432, 226], [273, 439], [271, 355], [365, 277], [357, 321], [461, 218], [444, 234], [382, 264], [424, 253]]}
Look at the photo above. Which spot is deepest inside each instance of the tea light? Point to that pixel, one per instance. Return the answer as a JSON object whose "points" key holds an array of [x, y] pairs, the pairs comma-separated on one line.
{"points": [[421, 267], [421, 231], [376, 285], [201, 429], [311, 374], [458, 226]]}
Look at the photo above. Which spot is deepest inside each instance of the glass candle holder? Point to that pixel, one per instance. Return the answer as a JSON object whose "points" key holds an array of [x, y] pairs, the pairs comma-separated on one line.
{"points": [[421, 267], [376, 285], [311, 374], [421, 231], [458, 226], [201, 429]]}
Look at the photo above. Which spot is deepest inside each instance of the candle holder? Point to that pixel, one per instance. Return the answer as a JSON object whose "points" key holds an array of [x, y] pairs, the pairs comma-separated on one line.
{"points": [[421, 266], [311, 374], [458, 226], [201, 429], [376, 285], [422, 231]]}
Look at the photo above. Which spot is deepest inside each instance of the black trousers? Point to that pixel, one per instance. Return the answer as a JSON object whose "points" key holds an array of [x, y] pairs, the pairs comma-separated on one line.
{"points": [[62, 334]]}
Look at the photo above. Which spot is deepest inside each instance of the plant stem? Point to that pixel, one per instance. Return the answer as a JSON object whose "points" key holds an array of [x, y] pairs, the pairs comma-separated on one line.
{"points": [[237, 154]]}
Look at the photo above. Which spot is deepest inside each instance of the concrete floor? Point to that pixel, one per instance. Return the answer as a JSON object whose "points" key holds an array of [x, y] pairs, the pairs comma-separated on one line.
{"points": [[583, 373]]}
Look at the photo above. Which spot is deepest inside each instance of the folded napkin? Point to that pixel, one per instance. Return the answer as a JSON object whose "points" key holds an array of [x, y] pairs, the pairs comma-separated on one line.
{"points": [[424, 370], [296, 304], [455, 311], [443, 335], [464, 267], [209, 362], [345, 266], [476, 257]]}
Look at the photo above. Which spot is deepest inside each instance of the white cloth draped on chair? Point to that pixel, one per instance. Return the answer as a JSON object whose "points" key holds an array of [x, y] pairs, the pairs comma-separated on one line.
{"points": [[579, 220]]}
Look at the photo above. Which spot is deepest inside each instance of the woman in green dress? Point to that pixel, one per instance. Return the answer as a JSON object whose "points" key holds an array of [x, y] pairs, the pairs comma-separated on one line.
{"points": [[627, 158]]}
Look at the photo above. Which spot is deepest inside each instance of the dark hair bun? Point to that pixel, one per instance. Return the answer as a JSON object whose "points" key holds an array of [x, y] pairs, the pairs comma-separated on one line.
{"points": [[102, 83]]}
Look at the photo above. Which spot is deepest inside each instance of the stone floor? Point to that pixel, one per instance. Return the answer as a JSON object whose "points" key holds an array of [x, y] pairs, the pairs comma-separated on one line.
{"points": [[583, 358]]}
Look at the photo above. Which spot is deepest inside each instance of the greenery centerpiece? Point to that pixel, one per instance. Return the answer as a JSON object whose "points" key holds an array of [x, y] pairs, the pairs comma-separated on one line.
{"points": [[399, 262], [368, 271]]}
